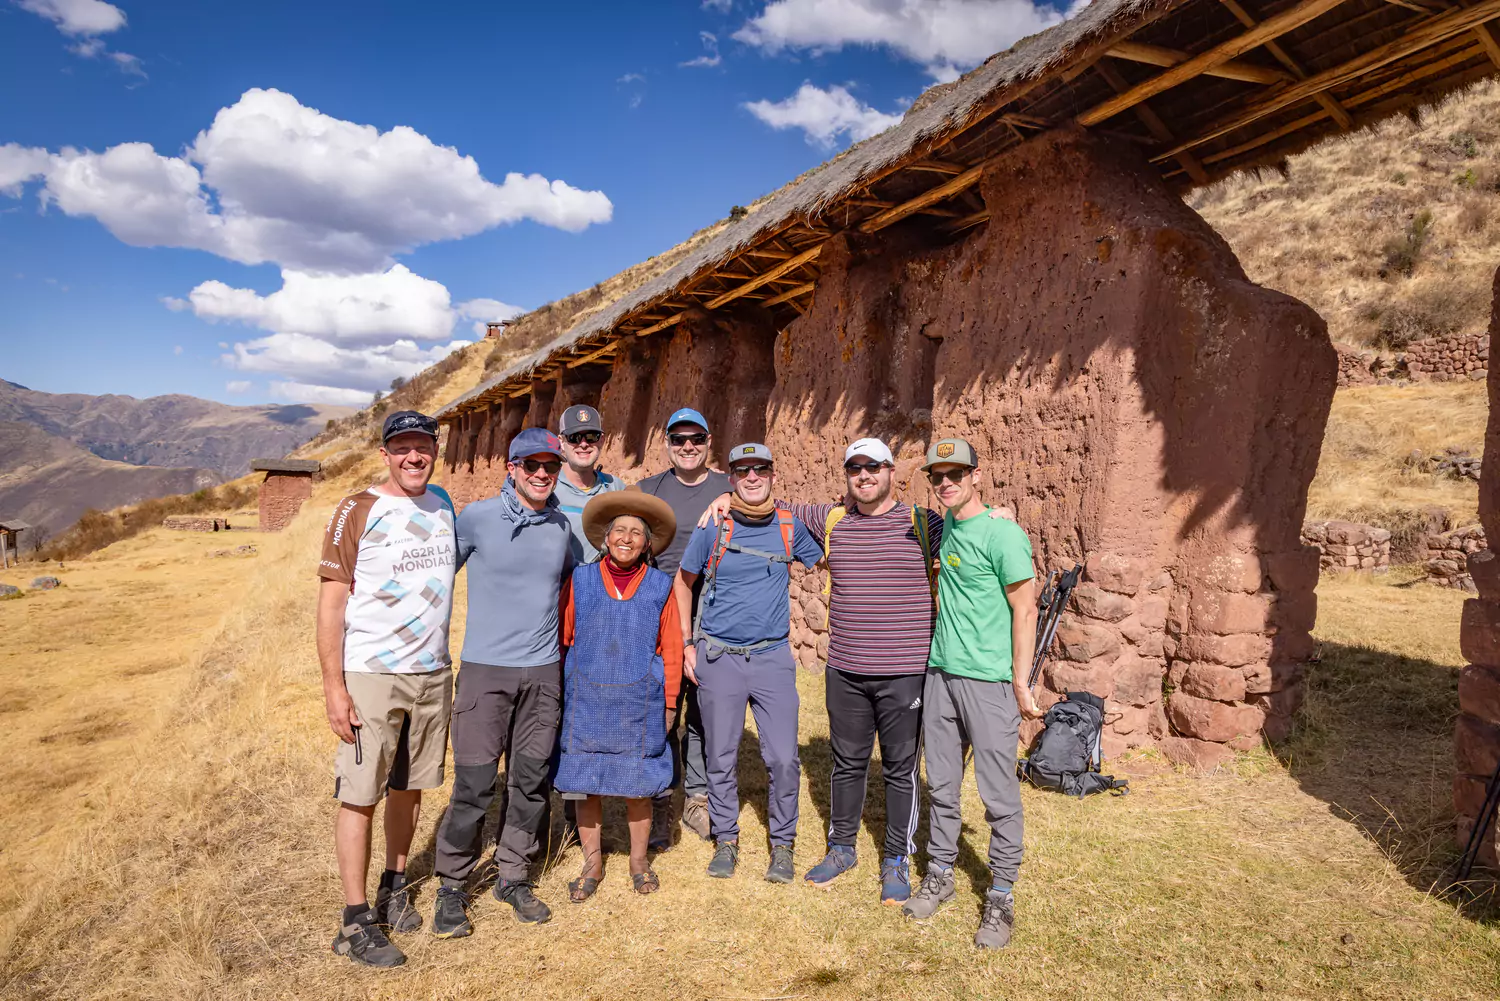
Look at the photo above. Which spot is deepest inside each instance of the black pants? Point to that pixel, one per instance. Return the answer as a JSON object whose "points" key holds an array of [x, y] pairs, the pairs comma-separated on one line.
{"points": [[860, 708], [510, 711]]}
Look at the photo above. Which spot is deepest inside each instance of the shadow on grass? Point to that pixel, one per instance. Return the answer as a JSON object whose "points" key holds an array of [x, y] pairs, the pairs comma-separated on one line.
{"points": [[1374, 740]]}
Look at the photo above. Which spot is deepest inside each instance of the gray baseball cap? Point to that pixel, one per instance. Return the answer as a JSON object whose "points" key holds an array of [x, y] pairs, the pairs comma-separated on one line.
{"points": [[954, 451], [750, 450], [579, 418]]}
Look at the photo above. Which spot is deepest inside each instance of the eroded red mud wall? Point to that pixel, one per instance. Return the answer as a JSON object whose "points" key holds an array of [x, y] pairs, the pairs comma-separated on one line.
{"points": [[1135, 398], [1477, 737], [281, 497]]}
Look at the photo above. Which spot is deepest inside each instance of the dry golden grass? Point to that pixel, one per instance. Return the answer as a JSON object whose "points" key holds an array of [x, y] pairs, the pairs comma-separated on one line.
{"points": [[1362, 474], [193, 860], [1323, 231]]}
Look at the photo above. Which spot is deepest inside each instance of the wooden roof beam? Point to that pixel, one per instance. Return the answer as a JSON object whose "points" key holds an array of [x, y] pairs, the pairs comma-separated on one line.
{"points": [[1274, 27], [938, 166], [1416, 38], [1157, 55], [932, 196], [789, 294], [789, 264], [1326, 100], [608, 349], [1153, 123], [1486, 36]]}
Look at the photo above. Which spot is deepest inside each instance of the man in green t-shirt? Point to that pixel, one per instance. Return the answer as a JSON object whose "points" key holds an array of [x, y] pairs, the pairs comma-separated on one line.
{"points": [[976, 692]]}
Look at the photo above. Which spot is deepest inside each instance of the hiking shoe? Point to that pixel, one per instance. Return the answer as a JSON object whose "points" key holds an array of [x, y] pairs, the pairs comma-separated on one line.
{"points": [[895, 881], [363, 942], [780, 870], [936, 888], [998, 919], [661, 825], [450, 917], [839, 860], [517, 893], [726, 857], [395, 910], [695, 816]]}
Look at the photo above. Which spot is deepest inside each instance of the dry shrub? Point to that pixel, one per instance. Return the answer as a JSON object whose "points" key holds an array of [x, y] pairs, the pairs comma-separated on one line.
{"points": [[1474, 214], [1431, 306], [97, 529], [1403, 252]]}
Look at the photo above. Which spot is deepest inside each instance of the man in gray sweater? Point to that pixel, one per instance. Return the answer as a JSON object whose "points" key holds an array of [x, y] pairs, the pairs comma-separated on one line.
{"points": [[509, 697]]}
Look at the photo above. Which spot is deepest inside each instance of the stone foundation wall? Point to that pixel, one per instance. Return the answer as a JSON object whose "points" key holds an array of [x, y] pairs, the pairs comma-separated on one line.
{"points": [[1444, 359], [195, 523], [1348, 545], [1446, 561], [1086, 361], [281, 497], [1356, 366], [1476, 738]]}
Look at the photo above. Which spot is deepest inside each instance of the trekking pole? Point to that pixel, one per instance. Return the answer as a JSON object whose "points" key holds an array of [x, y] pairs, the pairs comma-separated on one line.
{"points": [[1481, 827], [1054, 600]]}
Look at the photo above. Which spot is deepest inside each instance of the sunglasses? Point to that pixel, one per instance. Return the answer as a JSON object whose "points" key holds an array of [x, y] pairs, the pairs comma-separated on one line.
{"points": [[688, 439], [863, 467], [952, 476], [552, 466], [584, 437], [412, 422], [759, 469]]}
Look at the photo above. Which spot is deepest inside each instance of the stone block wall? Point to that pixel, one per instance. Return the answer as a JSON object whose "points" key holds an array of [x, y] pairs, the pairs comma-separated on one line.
{"points": [[281, 497], [1348, 545], [1086, 360], [1446, 562], [1476, 737], [1445, 359], [195, 523], [1356, 366]]}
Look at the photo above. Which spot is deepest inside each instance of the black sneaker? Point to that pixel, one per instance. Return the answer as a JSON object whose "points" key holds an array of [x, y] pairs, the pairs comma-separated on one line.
{"points": [[998, 920], [726, 857], [395, 911], [780, 870], [517, 893], [661, 825], [364, 943], [450, 917]]}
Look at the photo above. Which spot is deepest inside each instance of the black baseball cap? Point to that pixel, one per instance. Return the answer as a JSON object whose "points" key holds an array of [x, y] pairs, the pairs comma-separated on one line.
{"points": [[407, 422]]}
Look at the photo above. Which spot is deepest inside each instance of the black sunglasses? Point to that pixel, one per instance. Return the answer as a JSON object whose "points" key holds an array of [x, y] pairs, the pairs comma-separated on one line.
{"points": [[952, 476], [758, 468], [684, 439], [552, 466], [411, 422], [866, 467], [591, 437]]}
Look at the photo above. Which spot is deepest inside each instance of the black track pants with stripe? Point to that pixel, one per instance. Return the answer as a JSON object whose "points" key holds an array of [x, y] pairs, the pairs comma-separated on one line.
{"points": [[862, 708]]}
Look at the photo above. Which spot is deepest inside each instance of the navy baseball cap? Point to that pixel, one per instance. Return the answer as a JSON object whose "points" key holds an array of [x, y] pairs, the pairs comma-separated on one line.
{"points": [[687, 415], [407, 422], [533, 441]]}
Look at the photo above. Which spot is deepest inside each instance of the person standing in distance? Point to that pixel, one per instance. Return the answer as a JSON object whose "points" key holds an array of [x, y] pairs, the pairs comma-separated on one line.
{"points": [[581, 432], [975, 693], [509, 698], [383, 609], [689, 485]]}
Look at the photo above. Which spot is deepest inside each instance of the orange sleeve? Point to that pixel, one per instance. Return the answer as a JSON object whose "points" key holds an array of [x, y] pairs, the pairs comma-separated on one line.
{"points": [[565, 610], [669, 645]]}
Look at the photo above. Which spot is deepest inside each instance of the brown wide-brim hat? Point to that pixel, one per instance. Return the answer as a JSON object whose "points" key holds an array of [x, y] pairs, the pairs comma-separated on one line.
{"points": [[655, 512]]}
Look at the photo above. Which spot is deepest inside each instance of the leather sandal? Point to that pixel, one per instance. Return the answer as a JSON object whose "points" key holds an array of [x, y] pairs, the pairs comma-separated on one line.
{"points": [[645, 882], [582, 889]]}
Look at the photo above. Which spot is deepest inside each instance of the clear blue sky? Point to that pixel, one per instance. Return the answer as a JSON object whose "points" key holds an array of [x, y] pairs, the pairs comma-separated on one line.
{"points": [[101, 248]]}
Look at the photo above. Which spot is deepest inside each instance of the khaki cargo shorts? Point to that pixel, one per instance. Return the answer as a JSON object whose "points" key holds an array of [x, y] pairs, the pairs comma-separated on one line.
{"points": [[404, 737]]}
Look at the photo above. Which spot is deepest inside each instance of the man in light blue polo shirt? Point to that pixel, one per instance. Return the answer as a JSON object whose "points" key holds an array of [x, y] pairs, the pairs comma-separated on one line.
{"points": [[740, 652], [581, 432]]}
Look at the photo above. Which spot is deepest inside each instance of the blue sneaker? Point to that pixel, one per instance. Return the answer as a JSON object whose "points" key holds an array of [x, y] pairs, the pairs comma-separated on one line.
{"points": [[839, 860], [895, 881]]}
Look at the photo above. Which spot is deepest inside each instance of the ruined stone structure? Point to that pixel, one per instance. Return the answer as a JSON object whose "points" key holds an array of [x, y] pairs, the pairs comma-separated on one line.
{"points": [[1348, 545], [1448, 359], [1446, 560], [1357, 366], [287, 484], [195, 523]]}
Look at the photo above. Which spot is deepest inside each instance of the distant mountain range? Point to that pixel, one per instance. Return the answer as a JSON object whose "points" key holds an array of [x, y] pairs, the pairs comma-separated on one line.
{"points": [[63, 453]]}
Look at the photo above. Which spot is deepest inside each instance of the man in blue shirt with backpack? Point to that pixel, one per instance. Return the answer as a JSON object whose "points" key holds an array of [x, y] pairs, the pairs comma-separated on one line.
{"points": [[740, 651]]}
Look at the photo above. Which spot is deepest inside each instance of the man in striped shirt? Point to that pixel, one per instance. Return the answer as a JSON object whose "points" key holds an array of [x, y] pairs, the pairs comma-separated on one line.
{"points": [[880, 622]]}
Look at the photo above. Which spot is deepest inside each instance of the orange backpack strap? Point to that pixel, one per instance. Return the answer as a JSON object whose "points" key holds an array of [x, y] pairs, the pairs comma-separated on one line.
{"points": [[721, 545], [788, 526]]}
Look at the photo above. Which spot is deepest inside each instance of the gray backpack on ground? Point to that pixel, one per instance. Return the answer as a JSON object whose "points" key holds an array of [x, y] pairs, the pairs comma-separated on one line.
{"points": [[1066, 755]]}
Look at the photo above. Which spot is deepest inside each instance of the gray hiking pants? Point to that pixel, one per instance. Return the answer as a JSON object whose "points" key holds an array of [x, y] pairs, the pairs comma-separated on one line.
{"points": [[958, 713]]}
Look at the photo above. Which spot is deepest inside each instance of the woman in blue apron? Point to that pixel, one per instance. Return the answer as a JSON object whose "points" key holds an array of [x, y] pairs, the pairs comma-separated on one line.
{"points": [[621, 675]]}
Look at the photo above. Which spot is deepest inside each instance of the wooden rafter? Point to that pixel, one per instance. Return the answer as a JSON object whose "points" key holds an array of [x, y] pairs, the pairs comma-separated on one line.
{"points": [[1153, 122], [939, 166], [1282, 56], [1269, 29], [1157, 55], [1486, 36], [933, 195], [608, 349], [1416, 38], [787, 265], [789, 294]]}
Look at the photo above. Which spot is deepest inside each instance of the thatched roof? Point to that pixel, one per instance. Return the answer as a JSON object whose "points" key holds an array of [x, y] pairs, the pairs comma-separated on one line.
{"points": [[285, 465], [1206, 87]]}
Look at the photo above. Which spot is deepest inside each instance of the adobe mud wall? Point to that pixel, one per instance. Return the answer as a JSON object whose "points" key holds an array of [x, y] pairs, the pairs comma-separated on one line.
{"points": [[281, 497], [1136, 399], [1476, 739]]}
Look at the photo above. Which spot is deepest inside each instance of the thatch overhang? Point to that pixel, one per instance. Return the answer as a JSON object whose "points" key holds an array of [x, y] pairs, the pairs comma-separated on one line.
{"points": [[1204, 87], [308, 466]]}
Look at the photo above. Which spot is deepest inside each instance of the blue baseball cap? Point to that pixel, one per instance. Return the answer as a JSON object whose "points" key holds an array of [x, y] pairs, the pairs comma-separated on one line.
{"points": [[533, 441], [687, 415]]}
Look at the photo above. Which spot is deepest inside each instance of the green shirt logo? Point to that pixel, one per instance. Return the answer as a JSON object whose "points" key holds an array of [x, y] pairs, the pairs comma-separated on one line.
{"points": [[952, 560]]}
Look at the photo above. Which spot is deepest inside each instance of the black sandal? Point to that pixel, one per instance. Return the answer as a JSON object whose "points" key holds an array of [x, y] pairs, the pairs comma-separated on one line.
{"points": [[645, 882], [582, 889]]}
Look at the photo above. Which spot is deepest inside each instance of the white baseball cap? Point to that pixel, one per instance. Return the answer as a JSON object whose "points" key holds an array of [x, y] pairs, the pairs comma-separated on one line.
{"points": [[872, 448]]}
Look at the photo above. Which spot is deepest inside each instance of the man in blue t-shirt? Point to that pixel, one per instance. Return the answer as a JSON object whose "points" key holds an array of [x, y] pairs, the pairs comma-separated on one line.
{"points": [[740, 652]]}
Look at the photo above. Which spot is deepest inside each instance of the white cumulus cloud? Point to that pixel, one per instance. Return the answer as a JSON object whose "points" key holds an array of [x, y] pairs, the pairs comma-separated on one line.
{"points": [[84, 21], [823, 115], [274, 181], [302, 392], [238, 385], [304, 360], [486, 311], [19, 164], [945, 36]]}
